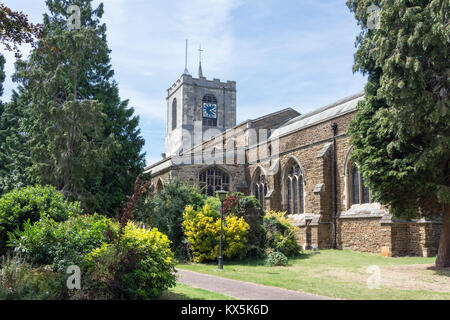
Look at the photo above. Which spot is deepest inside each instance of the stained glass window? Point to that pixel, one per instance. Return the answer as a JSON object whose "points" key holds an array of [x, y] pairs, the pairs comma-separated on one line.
{"points": [[212, 180]]}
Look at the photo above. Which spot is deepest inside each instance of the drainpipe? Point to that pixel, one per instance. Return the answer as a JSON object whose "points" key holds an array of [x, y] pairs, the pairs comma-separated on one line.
{"points": [[334, 127]]}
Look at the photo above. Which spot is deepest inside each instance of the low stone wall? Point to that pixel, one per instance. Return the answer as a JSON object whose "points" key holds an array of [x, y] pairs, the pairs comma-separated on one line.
{"points": [[389, 238], [359, 234], [414, 238]]}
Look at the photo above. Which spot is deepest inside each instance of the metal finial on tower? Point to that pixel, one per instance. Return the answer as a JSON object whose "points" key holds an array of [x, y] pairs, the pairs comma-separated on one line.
{"points": [[185, 60], [200, 71]]}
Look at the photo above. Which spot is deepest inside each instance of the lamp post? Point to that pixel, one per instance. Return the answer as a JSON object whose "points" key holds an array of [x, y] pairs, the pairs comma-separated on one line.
{"points": [[222, 196]]}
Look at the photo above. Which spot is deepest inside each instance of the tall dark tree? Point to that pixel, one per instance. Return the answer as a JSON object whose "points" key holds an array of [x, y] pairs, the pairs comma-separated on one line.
{"points": [[14, 152], [2, 73], [2, 111], [114, 179], [401, 134], [67, 142], [125, 163]]}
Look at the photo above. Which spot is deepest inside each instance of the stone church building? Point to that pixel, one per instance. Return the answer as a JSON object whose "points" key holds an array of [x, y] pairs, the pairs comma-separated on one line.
{"points": [[298, 163]]}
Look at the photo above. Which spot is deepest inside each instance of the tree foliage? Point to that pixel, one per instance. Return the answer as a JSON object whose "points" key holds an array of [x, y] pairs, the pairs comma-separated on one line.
{"points": [[15, 29], [14, 152], [92, 122], [401, 133], [166, 212], [67, 144], [96, 81]]}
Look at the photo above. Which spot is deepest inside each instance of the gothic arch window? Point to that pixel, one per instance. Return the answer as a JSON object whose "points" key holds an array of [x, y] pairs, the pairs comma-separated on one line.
{"points": [[159, 186], [294, 181], [212, 180], [209, 110], [260, 187], [360, 193], [174, 114]]}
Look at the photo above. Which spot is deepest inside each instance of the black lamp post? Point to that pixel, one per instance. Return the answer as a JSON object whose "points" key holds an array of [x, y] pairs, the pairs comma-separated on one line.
{"points": [[222, 196]]}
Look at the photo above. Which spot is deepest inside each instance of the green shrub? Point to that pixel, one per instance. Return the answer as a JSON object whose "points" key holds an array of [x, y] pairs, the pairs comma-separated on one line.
{"points": [[276, 259], [167, 212], [33, 204], [202, 229], [140, 266], [250, 209], [61, 244], [20, 281], [281, 234]]}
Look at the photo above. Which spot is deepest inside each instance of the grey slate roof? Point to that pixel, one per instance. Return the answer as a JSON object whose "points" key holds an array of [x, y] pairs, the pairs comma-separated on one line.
{"points": [[330, 111]]}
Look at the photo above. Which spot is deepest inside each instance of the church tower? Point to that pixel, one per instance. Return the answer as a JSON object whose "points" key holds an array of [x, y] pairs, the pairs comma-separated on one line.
{"points": [[207, 107]]}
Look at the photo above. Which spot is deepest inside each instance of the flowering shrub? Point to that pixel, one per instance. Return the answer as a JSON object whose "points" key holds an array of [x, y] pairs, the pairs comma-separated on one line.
{"points": [[250, 209], [166, 212], [140, 266], [280, 234], [202, 229]]}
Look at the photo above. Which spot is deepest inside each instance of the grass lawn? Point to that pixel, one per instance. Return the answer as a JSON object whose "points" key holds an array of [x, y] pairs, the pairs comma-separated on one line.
{"points": [[185, 292], [342, 274]]}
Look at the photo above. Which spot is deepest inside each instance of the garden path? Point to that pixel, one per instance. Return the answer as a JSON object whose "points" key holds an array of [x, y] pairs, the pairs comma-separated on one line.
{"points": [[241, 290]]}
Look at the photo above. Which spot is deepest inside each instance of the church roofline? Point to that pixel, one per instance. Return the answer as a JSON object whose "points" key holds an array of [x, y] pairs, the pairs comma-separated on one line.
{"points": [[330, 111], [159, 163], [273, 114]]}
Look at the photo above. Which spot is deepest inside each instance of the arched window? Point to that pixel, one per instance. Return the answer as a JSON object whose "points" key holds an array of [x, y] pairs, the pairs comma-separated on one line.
{"points": [[174, 114], [261, 187], [212, 180], [159, 186], [209, 110], [360, 192], [295, 193]]}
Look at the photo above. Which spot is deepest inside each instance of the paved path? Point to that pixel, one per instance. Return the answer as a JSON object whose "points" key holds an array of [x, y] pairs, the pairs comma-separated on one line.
{"points": [[241, 290]]}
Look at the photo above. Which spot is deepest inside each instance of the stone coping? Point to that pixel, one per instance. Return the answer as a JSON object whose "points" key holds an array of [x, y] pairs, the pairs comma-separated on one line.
{"points": [[360, 213], [382, 214], [299, 220]]}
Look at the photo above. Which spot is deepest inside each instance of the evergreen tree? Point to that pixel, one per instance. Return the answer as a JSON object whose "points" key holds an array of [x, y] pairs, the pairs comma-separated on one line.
{"points": [[2, 73], [401, 133], [2, 111], [67, 141], [126, 162], [14, 153], [114, 177]]}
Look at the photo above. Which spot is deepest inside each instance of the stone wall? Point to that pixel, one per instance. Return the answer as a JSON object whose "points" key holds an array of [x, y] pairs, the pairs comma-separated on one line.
{"points": [[359, 234]]}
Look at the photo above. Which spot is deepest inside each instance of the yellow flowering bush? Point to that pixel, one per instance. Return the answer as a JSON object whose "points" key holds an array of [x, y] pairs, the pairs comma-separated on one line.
{"points": [[202, 229], [141, 267]]}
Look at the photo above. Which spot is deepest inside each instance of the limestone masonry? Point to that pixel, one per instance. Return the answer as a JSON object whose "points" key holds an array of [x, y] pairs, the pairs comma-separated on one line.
{"points": [[287, 161]]}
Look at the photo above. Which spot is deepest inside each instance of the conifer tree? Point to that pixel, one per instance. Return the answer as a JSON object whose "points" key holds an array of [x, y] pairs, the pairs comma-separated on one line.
{"points": [[67, 142], [104, 179], [14, 153], [401, 133], [126, 161]]}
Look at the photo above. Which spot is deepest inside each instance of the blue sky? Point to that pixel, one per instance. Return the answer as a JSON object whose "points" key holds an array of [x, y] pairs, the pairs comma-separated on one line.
{"points": [[281, 53]]}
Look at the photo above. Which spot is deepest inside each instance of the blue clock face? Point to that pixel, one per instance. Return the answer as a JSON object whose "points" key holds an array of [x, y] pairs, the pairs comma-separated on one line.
{"points": [[209, 110]]}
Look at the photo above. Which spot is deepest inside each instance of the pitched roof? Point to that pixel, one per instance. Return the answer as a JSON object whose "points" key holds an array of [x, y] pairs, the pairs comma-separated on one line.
{"points": [[325, 113]]}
